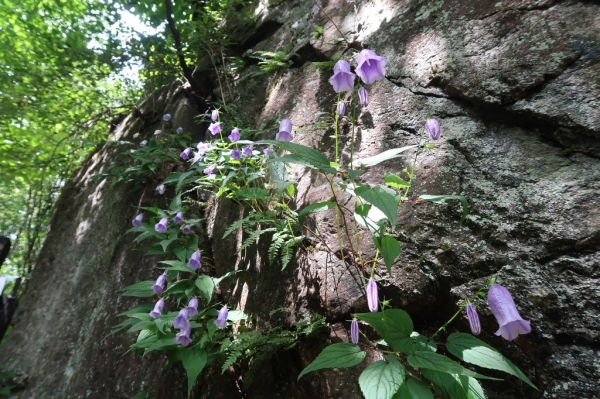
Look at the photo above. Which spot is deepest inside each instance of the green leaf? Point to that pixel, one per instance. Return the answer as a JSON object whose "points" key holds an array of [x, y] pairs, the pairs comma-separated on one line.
{"points": [[194, 360], [389, 248], [395, 181], [206, 285], [141, 395], [384, 156], [142, 289], [475, 390], [434, 361], [380, 199], [253, 193], [394, 326], [413, 389], [336, 356], [176, 203], [177, 266], [442, 199], [451, 386], [301, 155], [316, 207], [472, 350], [381, 380]]}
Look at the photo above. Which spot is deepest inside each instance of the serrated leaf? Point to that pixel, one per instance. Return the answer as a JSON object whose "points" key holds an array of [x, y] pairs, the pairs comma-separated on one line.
{"points": [[336, 356], [442, 199], [384, 156], [472, 350], [389, 248], [380, 199], [381, 379], [394, 326], [413, 389], [193, 359], [316, 207], [434, 361]]}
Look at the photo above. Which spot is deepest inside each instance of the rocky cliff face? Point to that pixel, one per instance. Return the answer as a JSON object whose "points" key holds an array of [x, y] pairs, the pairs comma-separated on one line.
{"points": [[516, 88]]}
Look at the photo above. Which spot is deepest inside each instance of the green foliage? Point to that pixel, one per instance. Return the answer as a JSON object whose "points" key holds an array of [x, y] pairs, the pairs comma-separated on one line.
{"points": [[272, 61], [336, 356], [382, 379]]}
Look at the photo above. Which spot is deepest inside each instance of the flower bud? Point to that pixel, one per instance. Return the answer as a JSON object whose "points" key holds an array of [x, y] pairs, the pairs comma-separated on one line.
{"points": [[214, 115], [432, 128], [372, 296], [473, 319], [354, 331], [341, 108], [363, 97]]}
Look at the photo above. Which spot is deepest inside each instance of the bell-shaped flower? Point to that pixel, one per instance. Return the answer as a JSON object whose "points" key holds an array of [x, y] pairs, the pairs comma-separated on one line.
{"points": [[157, 132], [236, 155], [506, 313], [160, 189], [214, 115], [341, 108], [183, 337], [203, 147], [166, 117], [354, 331], [210, 170], [215, 128], [266, 152], [221, 321], [235, 135], [185, 154], [192, 307], [179, 130], [363, 97], [137, 220], [248, 151], [161, 281], [342, 79], [186, 229], [194, 262], [180, 320], [161, 226], [285, 131], [473, 319], [432, 128], [372, 296], [371, 67], [158, 308], [143, 143], [178, 217]]}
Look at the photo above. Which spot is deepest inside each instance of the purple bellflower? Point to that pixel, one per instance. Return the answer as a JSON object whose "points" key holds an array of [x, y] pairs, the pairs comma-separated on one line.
{"points": [[183, 337], [266, 152], [181, 319], [341, 108], [342, 79], [192, 307], [221, 321], [144, 143], [185, 155], [160, 189], [186, 229], [194, 262], [158, 308], [432, 128], [236, 155], [506, 313], [371, 67], [363, 97], [235, 135], [178, 218], [215, 128], [161, 226], [161, 281], [137, 220], [166, 117], [248, 151], [285, 131], [210, 170], [473, 319], [372, 296], [214, 115], [179, 130], [354, 331], [203, 147]]}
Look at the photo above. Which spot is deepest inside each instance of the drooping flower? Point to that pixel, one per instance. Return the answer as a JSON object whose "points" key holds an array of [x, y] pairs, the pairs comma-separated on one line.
{"points": [[161, 226], [158, 308], [185, 155], [137, 220], [210, 170], [473, 319], [214, 115], [341, 108], [160, 189], [235, 135], [354, 331], [215, 128], [248, 151], [342, 79], [144, 143], [180, 320], [179, 130], [135, 136], [183, 337], [157, 132], [236, 154], [363, 97], [192, 307], [221, 321], [372, 296], [194, 262], [161, 281], [506, 313], [432, 128], [285, 131], [166, 117], [186, 229], [266, 152], [178, 218], [203, 147], [371, 67]]}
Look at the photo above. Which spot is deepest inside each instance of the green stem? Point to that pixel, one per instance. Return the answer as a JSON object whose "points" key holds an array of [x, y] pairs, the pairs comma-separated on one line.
{"points": [[465, 303]]}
